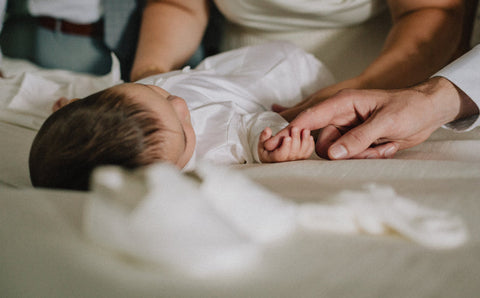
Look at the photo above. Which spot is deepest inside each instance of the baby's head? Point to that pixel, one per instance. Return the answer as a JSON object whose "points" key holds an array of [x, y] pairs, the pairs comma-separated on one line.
{"points": [[129, 125]]}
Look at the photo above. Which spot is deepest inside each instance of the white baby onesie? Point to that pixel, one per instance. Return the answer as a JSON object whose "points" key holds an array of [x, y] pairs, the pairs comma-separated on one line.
{"points": [[230, 96]]}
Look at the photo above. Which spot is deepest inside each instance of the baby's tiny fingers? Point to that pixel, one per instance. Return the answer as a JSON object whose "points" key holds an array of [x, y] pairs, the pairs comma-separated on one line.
{"points": [[266, 134], [308, 143], [296, 139], [282, 152], [310, 148], [306, 135]]}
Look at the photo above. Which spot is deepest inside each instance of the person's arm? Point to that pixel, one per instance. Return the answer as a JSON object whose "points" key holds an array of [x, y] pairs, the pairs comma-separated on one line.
{"points": [[378, 123], [170, 32], [424, 37]]}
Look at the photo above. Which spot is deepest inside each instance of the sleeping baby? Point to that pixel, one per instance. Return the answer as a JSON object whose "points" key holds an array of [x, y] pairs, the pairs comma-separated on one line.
{"points": [[219, 111]]}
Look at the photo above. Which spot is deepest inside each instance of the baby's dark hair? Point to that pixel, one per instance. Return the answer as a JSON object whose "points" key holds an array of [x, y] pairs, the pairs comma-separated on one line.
{"points": [[105, 128]]}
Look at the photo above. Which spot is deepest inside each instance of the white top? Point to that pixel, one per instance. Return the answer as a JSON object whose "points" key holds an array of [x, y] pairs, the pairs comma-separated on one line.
{"points": [[229, 96], [465, 74], [292, 15], [75, 11], [346, 35]]}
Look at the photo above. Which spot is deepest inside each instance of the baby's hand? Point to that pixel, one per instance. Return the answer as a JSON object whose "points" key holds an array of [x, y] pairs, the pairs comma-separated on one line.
{"points": [[296, 146]]}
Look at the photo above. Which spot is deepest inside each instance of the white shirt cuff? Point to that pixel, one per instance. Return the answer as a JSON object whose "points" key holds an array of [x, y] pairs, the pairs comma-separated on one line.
{"points": [[465, 74]]}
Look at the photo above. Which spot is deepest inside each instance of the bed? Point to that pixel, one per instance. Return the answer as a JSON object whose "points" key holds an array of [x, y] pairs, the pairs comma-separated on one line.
{"points": [[46, 252]]}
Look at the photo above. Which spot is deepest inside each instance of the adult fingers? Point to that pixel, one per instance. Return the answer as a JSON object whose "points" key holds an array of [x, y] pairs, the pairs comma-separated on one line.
{"points": [[325, 139], [307, 119], [356, 140], [312, 119], [318, 116], [386, 150]]}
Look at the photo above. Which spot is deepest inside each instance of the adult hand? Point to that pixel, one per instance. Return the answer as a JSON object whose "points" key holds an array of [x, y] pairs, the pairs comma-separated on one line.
{"points": [[410, 53], [289, 113], [378, 123]]}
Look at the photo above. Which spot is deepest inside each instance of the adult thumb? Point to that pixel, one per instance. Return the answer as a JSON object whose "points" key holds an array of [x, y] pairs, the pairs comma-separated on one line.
{"points": [[354, 141]]}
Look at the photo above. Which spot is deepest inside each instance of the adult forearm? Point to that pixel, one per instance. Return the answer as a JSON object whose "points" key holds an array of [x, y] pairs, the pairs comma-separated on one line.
{"points": [[420, 42], [170, 33]]}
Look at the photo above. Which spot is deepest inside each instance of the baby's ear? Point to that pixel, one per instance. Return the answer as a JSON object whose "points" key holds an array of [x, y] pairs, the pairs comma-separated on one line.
{"points": [[61, 102]]}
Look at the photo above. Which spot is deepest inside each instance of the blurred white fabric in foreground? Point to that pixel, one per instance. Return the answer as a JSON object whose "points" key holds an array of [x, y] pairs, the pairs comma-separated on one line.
{"points": [[217, 221]]}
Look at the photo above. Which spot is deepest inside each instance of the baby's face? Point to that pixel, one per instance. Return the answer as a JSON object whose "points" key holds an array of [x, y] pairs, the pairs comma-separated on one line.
{"points": [[175, 117], [171, 109]]}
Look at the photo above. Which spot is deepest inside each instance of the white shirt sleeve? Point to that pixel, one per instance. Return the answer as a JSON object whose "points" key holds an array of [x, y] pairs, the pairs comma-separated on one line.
{"points": [[465, 74], [256, 123]]}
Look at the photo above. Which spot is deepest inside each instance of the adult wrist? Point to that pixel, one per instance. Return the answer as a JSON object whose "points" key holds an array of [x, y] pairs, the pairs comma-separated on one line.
{"points": [[466, 106], [444, 96]]}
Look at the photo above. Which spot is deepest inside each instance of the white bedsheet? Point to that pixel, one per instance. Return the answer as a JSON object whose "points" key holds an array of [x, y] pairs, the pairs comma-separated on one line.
{"points": [[44, 252]]}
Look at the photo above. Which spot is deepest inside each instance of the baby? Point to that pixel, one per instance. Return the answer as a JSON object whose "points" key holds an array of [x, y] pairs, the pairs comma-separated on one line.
{"points": [[219, 112]]}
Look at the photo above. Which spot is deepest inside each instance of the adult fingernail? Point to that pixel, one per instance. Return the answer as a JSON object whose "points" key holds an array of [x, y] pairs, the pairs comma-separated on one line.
{"points": [[390, 152], [338, 151]]}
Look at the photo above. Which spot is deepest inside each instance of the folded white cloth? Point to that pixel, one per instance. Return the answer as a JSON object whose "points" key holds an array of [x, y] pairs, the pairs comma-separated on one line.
{"points": [[217, 221]]}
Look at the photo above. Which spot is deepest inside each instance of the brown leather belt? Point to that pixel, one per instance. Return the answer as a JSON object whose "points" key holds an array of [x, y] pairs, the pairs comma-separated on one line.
{"points": [[93, 29]]}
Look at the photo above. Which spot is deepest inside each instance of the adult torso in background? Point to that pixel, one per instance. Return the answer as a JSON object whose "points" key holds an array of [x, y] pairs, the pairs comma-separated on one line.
{"points": [[346, 35], [75, 11], [64, 34]]}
